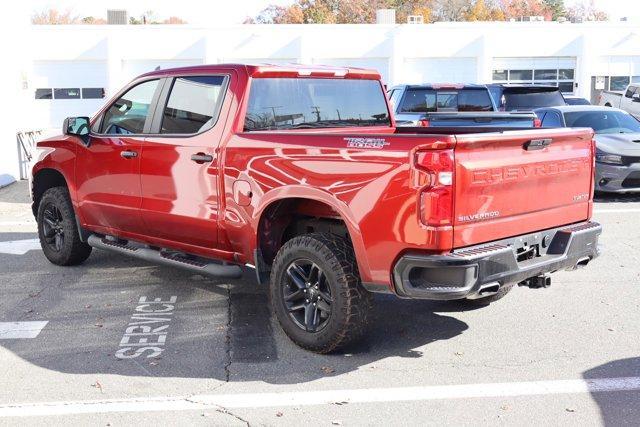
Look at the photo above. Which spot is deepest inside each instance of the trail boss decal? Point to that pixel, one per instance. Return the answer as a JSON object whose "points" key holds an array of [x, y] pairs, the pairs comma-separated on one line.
{"points": [[366, 142]]}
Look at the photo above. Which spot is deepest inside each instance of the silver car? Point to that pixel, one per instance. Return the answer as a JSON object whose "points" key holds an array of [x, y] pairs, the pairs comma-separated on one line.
{"points": [[617, 142]]}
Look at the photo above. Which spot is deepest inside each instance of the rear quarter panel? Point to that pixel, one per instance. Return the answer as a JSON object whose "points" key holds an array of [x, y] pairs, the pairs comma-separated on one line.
{"points": [[371, 189]]}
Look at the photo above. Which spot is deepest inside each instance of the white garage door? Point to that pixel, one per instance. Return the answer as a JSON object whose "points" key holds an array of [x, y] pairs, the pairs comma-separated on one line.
{"points": [[379, 64], [556, 71], [439, 70], [133, 68], [66, 88]]}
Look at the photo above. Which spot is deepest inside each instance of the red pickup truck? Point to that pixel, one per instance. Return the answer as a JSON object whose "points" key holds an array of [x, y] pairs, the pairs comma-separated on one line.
{"points": [[301, 174]]}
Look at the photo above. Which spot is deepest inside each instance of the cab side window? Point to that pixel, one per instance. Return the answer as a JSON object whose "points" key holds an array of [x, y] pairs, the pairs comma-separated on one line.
{"points": [[630, 91], [193, 105], [129, 113]]}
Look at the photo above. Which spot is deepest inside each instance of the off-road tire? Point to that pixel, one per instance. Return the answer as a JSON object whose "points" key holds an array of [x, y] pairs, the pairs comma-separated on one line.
{"points": [[72, 250], [482, 302], [350, 305]]}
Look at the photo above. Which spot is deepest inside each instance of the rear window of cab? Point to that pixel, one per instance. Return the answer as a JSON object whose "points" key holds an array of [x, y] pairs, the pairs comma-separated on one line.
{"points": [[432, 100], [310, 103]]}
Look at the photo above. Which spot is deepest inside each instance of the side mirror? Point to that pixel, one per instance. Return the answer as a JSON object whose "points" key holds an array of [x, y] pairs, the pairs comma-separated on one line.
{"points": [[77, 126], [636, 97]]}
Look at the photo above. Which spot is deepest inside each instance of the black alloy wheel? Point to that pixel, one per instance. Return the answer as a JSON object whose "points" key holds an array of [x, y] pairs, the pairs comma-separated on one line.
{"points": [[307, 295], [53, 227]]}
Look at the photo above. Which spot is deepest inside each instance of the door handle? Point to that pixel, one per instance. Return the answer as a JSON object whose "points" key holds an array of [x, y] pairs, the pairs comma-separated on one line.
{"points": [[128, 154], [201, 158]]}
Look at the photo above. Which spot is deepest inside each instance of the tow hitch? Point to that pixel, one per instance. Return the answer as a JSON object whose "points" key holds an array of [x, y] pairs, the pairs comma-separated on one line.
{"points": [[536, 282]]}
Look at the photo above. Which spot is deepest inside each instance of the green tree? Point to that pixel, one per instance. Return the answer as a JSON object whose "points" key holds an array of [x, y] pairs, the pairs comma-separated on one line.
{"points": [[556, 7]]}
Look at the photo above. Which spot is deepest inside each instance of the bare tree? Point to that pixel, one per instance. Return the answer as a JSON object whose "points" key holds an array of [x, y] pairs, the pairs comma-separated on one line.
{"points": [[451, 10], [54, 17]]}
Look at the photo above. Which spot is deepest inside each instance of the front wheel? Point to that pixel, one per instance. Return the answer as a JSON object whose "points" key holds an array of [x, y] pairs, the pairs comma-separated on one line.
{"points": [[58, 231], [316, 292]]}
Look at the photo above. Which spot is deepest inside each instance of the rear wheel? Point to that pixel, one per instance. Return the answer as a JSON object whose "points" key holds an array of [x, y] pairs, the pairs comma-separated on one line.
{"points": [[316, 292], [58, 231]]}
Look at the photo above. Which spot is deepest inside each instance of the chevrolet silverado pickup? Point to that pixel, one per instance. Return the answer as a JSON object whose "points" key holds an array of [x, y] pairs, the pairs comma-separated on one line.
{"points": [[301, 175], [628, 101]]}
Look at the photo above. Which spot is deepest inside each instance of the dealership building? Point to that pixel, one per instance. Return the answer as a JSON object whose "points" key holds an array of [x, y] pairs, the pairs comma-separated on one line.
{"points": [[68, 70]]}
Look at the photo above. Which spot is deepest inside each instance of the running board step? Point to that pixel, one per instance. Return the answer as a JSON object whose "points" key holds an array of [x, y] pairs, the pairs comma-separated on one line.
{"points": [[165, 257]]}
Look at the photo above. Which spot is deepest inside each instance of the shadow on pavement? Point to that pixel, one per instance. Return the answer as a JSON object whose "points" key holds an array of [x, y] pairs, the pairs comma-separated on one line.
{"points": [[617, 198], [220, 330], [16, 192], [617, 408]]}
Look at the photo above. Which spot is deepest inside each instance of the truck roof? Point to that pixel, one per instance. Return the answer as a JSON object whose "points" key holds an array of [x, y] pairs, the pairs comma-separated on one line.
{"points": [[274, 70]]}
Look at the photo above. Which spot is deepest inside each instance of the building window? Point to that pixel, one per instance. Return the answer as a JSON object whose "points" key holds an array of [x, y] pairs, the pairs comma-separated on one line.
{"points": [[66, 93], [545, 75], [44, 93], [560, 77], [520, 74], [500, 75], [619, 83], [565, 87], [92, 93], [566, 74]]}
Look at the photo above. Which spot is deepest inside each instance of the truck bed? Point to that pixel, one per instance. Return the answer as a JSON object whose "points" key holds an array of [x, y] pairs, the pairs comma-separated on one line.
{"points": [[499, 189]]}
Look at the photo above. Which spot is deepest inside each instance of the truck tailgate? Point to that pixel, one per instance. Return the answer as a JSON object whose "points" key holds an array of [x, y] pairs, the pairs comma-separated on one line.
{"points": [[520, 182]]}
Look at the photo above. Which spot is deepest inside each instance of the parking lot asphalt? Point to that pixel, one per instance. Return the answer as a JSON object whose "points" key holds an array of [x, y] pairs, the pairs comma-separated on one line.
{"points": [[568, 354]]}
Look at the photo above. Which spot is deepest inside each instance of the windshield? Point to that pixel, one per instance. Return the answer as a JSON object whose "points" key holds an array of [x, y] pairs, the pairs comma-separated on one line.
{"points": [[430, 100], [301, 103], [529, 100], [603, 121]]}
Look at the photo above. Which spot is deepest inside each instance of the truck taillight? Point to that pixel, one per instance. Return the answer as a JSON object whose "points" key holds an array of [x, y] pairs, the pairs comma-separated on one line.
{"points": [[436, 195]]}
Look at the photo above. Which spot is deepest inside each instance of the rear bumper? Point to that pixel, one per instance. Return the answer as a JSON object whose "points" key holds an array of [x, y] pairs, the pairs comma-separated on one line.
{"points": [[465, 273]]}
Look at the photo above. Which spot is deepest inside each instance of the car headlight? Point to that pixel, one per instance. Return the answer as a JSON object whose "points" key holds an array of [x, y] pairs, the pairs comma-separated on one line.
{"points": [[611, 159]]}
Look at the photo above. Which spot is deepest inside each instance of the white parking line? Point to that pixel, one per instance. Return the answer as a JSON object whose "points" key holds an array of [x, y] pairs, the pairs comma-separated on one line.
{"points": [[627, 210], [306, 398], [17, 330], [19, 247]]}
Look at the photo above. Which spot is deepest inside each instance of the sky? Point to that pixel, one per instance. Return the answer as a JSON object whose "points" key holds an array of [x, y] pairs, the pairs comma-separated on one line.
{"points": [[225, 12]]}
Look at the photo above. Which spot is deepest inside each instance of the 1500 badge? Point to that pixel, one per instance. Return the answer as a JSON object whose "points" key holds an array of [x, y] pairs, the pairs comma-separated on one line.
{"points": [[366, 142]]}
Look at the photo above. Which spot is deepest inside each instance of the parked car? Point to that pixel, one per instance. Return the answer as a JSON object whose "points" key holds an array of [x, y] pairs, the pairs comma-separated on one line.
{"points": [[301, 175], [490, 119], [411, 102], [525, 97], [575, 100], [629, 102], [617, 135]]}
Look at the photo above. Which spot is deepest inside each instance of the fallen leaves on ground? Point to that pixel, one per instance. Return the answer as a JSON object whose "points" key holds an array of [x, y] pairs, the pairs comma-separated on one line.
{"points": [[328, 369], [98, 386]]}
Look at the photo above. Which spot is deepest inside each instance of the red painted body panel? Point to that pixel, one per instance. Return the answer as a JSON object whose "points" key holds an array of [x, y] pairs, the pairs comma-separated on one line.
{"points": [[108, 185], [215, 209], [531, 190]]}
